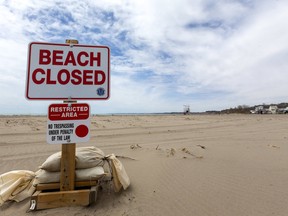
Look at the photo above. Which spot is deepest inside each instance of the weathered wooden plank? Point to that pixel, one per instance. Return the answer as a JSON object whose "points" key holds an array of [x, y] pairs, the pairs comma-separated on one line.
{"points": [[56, 186], [67, 178], [48, 200], [93, 194]]}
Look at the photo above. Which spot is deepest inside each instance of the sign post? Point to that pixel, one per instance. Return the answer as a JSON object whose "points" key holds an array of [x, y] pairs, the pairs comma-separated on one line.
{"points": [[67, 177], [67, 72]]}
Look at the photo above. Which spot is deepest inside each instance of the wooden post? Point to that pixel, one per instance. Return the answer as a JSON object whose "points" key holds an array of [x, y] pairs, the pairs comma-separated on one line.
{"points": [[67, 178]]}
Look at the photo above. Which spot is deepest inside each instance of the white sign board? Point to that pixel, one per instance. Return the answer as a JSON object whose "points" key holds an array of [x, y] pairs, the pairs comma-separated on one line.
{"points": [[68, 123], [62, 71]]}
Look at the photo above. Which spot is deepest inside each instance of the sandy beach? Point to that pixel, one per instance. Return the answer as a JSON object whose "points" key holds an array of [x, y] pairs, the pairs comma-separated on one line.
{"points": [[201, 165]]}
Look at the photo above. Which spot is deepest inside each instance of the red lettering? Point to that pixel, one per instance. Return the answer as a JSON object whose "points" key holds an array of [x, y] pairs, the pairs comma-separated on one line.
{"points": [[70, 59], [76, 75], [49, 81], [95, 58], [44, 57], [57, 57], [79, 58], [97, 81], [34, 76], [87, 74], [66, 76]]}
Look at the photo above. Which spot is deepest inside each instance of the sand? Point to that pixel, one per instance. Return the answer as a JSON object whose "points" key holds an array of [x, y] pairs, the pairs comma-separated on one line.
{"points": [[201, 165]]}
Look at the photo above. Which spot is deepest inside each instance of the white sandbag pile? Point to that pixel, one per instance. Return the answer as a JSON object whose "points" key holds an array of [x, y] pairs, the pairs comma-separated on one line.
{"points": [[89, 162]]}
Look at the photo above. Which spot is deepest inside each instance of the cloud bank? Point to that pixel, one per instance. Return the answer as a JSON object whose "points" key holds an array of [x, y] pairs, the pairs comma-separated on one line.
{"points": [[208, 54]]}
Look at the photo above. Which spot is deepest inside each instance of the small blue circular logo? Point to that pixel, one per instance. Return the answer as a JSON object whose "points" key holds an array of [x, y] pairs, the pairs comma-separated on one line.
{"points": [[100, 91]]}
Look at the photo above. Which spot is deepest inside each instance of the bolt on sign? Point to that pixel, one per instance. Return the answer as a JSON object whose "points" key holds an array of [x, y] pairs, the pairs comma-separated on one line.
{"points": [[61, 71], [68, 123]]}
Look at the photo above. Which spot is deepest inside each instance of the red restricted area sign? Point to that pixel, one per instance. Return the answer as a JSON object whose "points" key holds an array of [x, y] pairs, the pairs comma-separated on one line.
{"points": [[61, 112], [68, 123], [61, 71]]}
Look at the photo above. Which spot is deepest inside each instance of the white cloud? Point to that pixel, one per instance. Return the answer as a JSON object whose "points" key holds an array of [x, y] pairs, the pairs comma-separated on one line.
{"points": [[164, 54]]}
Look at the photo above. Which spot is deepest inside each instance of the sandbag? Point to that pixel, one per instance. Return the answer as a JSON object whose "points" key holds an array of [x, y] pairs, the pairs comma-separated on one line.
{"points": [[120, 177], [94, 173], [85, 157], [16, 185], [43, 176], [117, 184]]}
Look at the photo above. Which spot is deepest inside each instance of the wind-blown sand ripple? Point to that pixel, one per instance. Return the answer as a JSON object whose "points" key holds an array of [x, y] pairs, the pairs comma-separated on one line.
{"points": [[206, 165]]}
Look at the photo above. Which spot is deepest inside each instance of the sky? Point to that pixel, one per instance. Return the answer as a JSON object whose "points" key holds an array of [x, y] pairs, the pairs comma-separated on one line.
{"points": [[207, 54]]}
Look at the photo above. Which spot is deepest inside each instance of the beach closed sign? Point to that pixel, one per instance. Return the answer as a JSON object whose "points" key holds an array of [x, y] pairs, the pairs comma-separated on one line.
{"points": [[62, 71], [68, 123]]}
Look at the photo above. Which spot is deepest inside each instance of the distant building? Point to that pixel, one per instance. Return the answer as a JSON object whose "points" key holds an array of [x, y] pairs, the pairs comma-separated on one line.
{"points": [[262, 110], [186, 110], [273, 109], [259, 110]]}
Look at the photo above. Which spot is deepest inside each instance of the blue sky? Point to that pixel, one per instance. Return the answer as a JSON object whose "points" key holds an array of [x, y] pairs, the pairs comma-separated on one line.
{"points": [[208, 54]]}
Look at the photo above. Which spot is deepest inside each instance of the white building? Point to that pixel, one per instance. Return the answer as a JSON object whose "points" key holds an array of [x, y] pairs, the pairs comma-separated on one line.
{"points": [[273, 109]]}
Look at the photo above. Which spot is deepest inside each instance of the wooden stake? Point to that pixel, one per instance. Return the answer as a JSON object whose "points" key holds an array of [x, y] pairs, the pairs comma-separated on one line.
{"points": [[71, 41], [67, 178]]}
